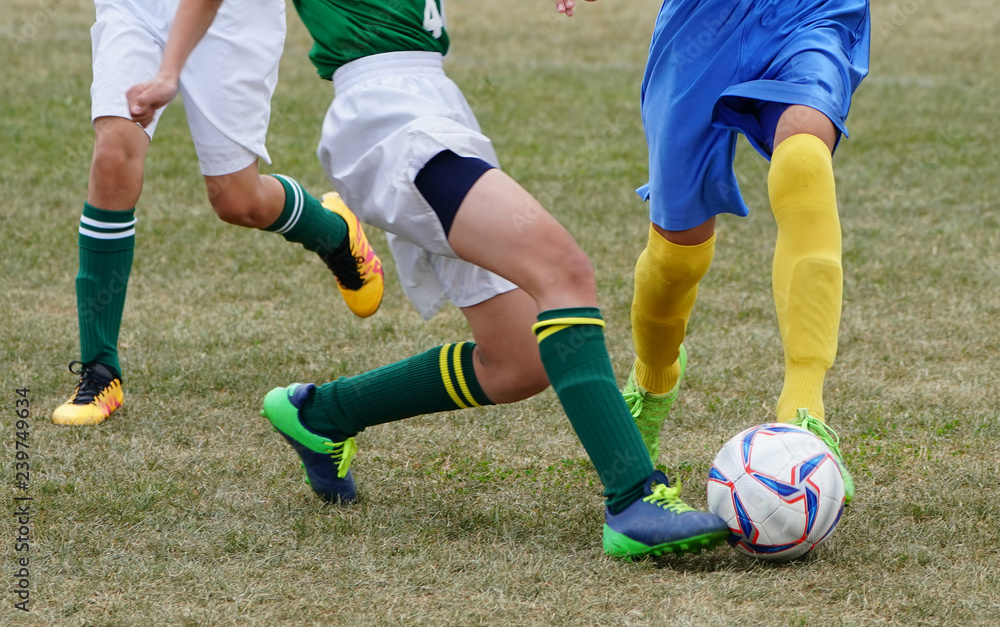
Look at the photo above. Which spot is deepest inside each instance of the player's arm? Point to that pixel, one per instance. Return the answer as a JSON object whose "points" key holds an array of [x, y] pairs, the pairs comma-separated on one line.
{"points": [[566, 6], [190, 25]]}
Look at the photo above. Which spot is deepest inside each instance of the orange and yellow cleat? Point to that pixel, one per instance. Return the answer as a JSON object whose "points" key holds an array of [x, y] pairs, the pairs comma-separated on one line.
{"points": [[358, 269], [97, 396]]}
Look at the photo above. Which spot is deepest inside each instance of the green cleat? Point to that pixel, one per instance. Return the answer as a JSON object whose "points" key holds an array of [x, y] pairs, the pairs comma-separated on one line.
{"points": [[661, 523], [327, 463], [650, 410], [824, 432]]}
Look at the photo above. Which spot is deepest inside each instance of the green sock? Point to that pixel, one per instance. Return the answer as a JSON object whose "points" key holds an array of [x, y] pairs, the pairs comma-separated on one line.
{"points": [[441, 379], [571, 342], [304, 220], [107, 239]]}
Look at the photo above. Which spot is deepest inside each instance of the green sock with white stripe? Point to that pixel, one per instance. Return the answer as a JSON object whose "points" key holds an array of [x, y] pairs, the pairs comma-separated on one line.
{"points": [[441, 379], [107, 240], [304, 220]]}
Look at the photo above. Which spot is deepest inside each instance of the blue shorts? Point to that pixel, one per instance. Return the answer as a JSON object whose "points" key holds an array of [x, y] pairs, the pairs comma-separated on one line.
{"points": [[721, 67]]}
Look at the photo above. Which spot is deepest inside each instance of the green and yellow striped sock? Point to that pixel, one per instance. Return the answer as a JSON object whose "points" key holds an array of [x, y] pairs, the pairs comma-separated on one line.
{"points": [[441, 379], [576, 360]]}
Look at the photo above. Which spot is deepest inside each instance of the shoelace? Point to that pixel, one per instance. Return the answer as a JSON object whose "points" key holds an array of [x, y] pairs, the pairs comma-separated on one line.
{"points": [[633, 398], [668, 497], [823, 431], [91, 384], [342, 453], [346, 267]]}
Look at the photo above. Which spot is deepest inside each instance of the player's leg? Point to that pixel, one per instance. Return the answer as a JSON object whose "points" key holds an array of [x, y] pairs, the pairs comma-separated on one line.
{"points": [[667, 275], [500, 227], [454, 376], [280, 204], [502, 365], [691, 181], [107, 236], [122, 55], [793, 111], [807, 276], [227, 87], [106, 243], [573, 355]]}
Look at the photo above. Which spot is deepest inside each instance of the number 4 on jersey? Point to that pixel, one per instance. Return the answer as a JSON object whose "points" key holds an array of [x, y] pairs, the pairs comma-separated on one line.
{"points": [[433, 20]]}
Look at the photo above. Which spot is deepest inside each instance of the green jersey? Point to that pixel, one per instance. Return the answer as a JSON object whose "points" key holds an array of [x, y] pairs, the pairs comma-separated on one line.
{"points": [[345, 30]]}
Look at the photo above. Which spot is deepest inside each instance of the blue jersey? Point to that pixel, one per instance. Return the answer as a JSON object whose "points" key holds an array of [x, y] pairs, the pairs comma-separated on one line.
{"points": [[717, 68]]}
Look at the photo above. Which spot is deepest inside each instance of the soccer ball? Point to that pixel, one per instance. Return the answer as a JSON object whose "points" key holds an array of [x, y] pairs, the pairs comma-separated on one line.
{"points": [[779, 489]]}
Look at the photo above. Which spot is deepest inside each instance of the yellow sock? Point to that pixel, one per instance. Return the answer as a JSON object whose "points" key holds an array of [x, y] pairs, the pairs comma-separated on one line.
{"points": [[666, 286], [807, 274]]}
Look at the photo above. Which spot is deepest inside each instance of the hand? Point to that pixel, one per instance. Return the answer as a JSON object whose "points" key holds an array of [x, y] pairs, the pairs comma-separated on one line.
{"points": [[145, 98], [566, 6]]}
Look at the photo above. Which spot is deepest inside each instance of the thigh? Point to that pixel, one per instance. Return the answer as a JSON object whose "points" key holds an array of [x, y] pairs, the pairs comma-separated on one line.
{"points": [[392, 114], [500, 226], [508, 365]]}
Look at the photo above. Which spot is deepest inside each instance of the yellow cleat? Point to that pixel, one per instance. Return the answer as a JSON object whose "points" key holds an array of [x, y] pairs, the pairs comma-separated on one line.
{"points": [[97, 396], [358, 270]]}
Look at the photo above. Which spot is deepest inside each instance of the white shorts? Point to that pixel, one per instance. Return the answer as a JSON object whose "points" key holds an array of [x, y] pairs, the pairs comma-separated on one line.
{"points": [[226, 84], [392, 113]]}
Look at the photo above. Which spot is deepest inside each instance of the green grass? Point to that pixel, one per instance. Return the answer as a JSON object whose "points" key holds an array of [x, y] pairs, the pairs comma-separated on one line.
{"points": [[186, 509]]}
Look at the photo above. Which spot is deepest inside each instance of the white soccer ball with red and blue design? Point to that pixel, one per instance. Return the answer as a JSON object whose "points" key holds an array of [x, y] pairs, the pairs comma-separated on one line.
{"points": [[779, 489]]}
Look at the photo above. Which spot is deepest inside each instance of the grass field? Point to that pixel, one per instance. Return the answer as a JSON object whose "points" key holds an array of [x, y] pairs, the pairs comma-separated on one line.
{"points": [[186, 509]]}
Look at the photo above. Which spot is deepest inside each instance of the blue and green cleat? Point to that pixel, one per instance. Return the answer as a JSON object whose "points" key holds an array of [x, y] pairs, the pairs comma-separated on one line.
{"points": [[661, 523], [327, 463], [824, 432]]}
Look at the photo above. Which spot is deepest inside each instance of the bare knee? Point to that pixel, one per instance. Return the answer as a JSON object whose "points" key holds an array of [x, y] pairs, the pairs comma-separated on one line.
{"points": [[234, 205], [509, 378], [116, 170], [571, 275], [114, 161], [800, 119], [512, 381], [230, 207], [245, 198], [119, 153]]}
